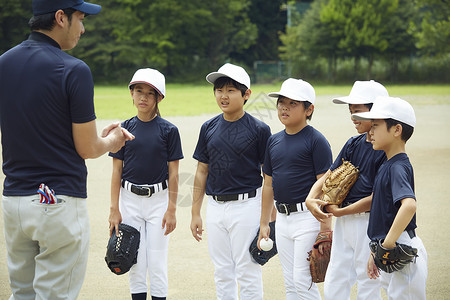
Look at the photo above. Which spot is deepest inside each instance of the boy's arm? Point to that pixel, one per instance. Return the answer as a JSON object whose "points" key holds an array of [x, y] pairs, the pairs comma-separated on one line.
{"points": [[115, 218], [197, 199], [402, 219], [170, 219], [325, 225], [313, 203], [360, 206], [266, 208]]}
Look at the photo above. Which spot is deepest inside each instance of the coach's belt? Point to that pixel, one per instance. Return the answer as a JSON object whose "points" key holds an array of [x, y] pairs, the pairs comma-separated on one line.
{"points": [[287, 209], [233, 197], [144, 189]]}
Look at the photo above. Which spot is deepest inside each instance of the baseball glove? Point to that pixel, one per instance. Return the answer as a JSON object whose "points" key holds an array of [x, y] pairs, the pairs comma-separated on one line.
{"points": [[121, 253], [260, 256], [318, 263], [337, 185], [391, 260]]}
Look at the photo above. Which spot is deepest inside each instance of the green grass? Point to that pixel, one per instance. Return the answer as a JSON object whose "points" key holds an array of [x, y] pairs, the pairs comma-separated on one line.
{"points": [[114, 102]]}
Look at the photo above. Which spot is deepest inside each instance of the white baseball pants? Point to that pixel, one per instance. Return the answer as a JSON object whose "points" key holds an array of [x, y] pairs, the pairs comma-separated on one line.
{"points": [[47, 246], [410, 282], [295, 236], [348, 262], [146, 215], [231, 227]]}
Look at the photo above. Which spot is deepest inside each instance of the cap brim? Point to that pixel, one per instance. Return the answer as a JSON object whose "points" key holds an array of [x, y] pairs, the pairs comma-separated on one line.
{"points": [[212, 77], [147, 83], [350, 100], [367, 116], [88, 8], [293, 97]]}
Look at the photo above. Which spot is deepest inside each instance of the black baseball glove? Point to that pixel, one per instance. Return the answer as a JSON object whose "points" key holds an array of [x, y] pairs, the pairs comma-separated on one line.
{"points": [[260, 256], [390, 260], [122, 250]]}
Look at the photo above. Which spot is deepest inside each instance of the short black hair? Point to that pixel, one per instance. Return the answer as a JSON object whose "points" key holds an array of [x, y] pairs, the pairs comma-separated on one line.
{"points": [[407, 130], [223, 81], [368, 105], [306, 104], [46, 21]]}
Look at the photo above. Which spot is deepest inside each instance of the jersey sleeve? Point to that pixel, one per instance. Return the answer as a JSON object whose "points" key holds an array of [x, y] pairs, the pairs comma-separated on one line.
{"points": [[80, 90], [174, 150], [322, 156], [264, 135], [201, 150], [267, 166], [401, 184]]}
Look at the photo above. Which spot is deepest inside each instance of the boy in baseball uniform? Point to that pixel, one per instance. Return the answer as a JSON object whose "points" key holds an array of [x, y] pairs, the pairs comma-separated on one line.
{"points": [[230, 151], [349, 252], [144, 184], [393, 209], [295, 158]]}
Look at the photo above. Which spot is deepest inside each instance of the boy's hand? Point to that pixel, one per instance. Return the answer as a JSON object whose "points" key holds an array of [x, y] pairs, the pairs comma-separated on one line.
{"points": [[314, 206], [372, 270], [169, 221], [115, 218], [197, 228]]}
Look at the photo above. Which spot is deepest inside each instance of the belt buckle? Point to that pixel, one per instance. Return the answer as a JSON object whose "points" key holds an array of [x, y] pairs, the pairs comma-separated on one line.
{"points": [[217, 200], [149, 191], [285, 209]]}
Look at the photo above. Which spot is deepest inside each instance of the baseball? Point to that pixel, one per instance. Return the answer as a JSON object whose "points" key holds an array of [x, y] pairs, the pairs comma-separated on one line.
{"points": [[266, 245]]}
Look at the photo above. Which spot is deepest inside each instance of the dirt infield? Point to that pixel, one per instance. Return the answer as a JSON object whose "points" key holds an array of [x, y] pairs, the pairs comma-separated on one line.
{"points": [[190, 269]]}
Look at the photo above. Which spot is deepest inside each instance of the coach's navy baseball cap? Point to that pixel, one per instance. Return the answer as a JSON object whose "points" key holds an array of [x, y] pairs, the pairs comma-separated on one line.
{"points": [[41, 7]]}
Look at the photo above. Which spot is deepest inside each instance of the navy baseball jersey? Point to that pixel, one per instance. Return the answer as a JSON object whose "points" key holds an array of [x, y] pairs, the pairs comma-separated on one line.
{"points": [[145, 158], [36, 114], [394, 182], [234, 152], [361, 154], [294, 161]]}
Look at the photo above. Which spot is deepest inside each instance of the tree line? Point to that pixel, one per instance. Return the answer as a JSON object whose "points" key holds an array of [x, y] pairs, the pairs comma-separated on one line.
{"points": [[333, 40]]}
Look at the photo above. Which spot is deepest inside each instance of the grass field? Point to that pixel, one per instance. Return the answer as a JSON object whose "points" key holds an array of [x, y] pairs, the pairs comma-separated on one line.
{"points": [[114, 102]]}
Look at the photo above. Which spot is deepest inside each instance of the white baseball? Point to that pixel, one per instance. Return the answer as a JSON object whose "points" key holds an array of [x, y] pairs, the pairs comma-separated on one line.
{"points": [[266, 245]]}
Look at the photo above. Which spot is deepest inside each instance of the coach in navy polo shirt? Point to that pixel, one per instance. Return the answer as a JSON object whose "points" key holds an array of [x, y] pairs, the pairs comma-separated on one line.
{"points": [[48, 129]]}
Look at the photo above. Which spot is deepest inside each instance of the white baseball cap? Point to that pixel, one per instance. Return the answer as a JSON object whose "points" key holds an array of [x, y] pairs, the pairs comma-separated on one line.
{"points": [[363, 92], [151, 77], [296, 89], [389, 108], [232, 71]]}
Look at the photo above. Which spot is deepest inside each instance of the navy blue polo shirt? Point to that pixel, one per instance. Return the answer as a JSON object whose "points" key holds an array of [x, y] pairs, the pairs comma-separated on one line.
{"points": [[361, 154], [234, 152], [43, 90], [145, 158], [394, 182], [294, 161]]}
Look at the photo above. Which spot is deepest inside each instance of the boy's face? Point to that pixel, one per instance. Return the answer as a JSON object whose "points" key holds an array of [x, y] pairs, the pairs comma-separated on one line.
{"points": [[360, 126], [381, 137], [230, 99], [144, 98], [292, 113]]}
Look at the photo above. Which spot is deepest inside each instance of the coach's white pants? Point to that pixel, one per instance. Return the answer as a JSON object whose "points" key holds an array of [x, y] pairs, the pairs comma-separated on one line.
{"points": [[410, 282], [232, 226], [47, 246], [146, 215], [295, 236], [348, 264]]}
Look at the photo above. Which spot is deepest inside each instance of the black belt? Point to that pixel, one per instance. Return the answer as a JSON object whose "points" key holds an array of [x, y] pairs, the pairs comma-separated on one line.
{"points": [[287, 209], [143, 190], [233, 197], [411, 233]]}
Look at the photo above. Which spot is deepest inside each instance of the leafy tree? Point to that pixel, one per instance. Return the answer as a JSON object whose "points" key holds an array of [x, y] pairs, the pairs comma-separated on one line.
{"points": [[434, 31], [14, 17]]}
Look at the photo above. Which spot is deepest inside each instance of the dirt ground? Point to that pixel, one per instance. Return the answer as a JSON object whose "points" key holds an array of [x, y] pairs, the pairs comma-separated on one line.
{"points": [[190, 269]]}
